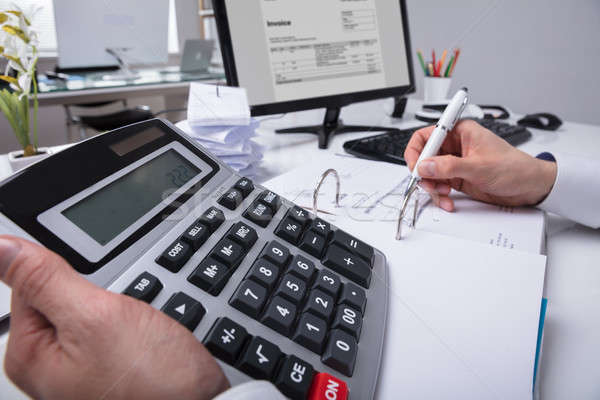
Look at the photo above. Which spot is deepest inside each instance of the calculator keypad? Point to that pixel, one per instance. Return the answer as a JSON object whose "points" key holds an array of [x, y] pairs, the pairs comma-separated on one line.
{"points": [[145, 287], [184, 309]]}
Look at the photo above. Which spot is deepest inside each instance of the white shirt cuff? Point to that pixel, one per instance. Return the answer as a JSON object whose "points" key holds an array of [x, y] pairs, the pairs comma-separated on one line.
{"points": [[576, 191], [253, 390]]}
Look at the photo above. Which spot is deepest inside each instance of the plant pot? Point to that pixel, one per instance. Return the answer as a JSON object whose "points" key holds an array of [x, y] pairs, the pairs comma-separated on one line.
{"points": [[17, 161]]}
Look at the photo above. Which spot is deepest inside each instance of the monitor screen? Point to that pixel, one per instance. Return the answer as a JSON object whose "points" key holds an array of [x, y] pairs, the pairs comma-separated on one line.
{"points": [[289, 50]]}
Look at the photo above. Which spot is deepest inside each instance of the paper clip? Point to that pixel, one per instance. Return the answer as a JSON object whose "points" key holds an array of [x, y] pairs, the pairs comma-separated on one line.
{"points": [[337, 189]]}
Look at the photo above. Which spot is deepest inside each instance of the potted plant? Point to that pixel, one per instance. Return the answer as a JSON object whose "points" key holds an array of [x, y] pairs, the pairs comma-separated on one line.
{"points": [[19, 46]]}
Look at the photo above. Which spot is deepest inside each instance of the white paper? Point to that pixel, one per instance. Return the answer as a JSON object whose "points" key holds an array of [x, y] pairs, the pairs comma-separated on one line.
{"points": [[227, 106]]}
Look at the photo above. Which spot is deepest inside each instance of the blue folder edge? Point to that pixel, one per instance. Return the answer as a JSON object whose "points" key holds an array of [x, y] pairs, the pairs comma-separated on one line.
{"points": [[539, 338]]}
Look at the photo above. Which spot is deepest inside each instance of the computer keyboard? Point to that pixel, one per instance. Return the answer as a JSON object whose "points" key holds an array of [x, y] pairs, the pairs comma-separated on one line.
{"points": [[273, 291], [390, 146]]}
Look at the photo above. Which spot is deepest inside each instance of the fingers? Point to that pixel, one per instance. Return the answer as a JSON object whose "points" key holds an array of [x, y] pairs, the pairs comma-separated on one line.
{"points": [[415, 145], [42, 280], [446, 167], [440, 193]]}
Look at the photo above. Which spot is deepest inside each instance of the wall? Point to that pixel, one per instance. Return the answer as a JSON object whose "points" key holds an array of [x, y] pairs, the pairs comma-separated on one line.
{"points": [[536, 55]]}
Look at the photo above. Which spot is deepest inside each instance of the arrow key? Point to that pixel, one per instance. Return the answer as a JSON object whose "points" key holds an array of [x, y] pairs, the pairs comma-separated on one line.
{"points": [[184, 310], [260, 359]]}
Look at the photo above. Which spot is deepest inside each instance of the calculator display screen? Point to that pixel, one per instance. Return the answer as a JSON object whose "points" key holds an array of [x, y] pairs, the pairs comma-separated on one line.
{"points": [[109, 211]]}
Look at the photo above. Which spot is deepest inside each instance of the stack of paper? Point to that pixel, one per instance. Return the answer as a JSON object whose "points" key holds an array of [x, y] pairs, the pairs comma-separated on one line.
{"points": [[220, 121]]}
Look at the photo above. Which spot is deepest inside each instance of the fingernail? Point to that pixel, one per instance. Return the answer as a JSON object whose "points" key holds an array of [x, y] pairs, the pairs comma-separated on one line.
{"points": [[8, 251], [427, 168], [446, 204]]}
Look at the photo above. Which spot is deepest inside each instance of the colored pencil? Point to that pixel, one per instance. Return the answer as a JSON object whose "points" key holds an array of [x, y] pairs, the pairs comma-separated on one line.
{"points": [[433, 62], [456, 54], [442, 62], [420, 55], [450, 63], [430, 66]]}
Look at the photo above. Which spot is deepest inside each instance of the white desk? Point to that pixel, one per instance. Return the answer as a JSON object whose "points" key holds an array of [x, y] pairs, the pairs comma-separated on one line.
{"points": [[570, 367]]}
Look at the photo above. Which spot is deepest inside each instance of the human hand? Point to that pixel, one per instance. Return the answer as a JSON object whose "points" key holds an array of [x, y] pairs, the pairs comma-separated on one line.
{"points": [[70, 339], [475, 161]]}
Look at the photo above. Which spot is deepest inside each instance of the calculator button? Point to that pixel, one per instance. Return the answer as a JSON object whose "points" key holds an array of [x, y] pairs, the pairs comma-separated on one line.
{"points": [[265, 273], [291, 288], [354, 245], [313, 244], [175, 256], [328, 282], [145, 287], [320, 227], [299, 214], [196, 234], [259, 213], [210, 276], [340, 352], [185, 310], [320, 304], [270, 199], [226, 339], [311, 333], [289, 230], [243, 234], [326, 387], [249, 298], [231, 199], [277, 253], [294, 378], [212, 218], [228, 252], [245, 186], [260, 358], [280, 315], [348, 264], [303, 268], [349, 320], [353, 296]]}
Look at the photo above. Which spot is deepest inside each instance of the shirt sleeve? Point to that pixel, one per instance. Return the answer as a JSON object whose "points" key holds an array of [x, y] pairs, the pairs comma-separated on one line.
{"points": [[254, 390], [576, 191]]}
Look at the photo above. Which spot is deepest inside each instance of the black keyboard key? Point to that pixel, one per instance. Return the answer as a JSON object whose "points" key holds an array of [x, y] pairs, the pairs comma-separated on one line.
{"points": [[353, 296], [294, 378], [354, 245], [328, 282], [212, 218], [249, 298], [260, 359], [226, 339], [145, 287], [292, 288], [313, 244], [270, 199], [311, 333], [243, 234], [303, 268], [229, 252], [231, 199], [320, 227], [196, 234], [349, 320], [210, 276], [259, 213], [289, 230], [348, 264], [300, 215], [340, 352], [245, 186], [185, 310], [277, 253], [175, 256], [280, 315], [320, 304], [265, 273]]}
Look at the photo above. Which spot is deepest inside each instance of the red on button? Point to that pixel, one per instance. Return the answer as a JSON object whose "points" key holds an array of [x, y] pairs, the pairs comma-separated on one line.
{"points": [[327, 387]]}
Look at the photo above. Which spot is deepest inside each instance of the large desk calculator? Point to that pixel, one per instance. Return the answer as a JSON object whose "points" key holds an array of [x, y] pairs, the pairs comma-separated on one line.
{"points": [[272, 291]]}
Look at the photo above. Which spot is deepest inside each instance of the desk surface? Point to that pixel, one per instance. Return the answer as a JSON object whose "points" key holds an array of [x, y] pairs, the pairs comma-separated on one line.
{"points": [[569, 367]]}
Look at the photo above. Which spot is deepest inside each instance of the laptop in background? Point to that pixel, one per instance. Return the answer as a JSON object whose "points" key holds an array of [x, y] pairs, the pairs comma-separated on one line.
{"points": [[196, 56]]}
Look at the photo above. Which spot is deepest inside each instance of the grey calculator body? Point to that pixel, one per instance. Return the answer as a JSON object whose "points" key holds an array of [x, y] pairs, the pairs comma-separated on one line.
{"points": [[161, 182]]}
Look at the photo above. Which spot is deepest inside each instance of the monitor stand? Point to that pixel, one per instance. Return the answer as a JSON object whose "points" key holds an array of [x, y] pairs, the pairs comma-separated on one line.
{"points": [[332, 125]]}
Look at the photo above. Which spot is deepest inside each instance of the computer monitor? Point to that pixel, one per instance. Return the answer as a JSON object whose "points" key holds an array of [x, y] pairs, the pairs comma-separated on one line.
{"points": [[85, 29], [293, 55]]}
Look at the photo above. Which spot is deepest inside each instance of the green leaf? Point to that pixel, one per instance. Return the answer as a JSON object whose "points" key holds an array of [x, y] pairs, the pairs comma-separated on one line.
{"points": [[9, 79], [15, 31]]}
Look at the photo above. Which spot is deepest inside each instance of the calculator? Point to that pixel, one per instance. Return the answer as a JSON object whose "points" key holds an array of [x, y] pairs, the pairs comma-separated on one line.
{"points": [[271, 290]]}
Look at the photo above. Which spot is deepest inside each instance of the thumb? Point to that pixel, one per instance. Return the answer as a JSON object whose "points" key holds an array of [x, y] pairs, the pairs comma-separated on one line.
{"points": [[42, 280], [446, 167]]}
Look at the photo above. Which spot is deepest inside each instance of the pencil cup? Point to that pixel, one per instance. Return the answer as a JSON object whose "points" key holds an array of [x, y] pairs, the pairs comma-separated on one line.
{"points": [[436, 89]]}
